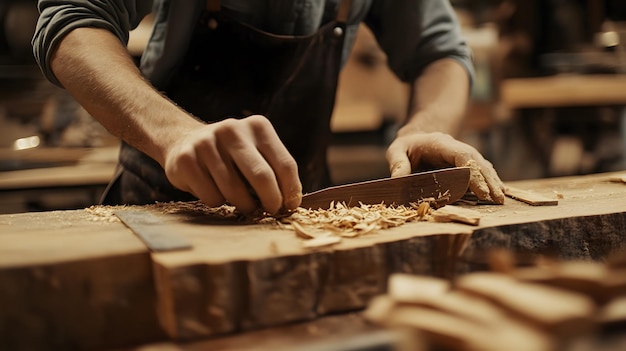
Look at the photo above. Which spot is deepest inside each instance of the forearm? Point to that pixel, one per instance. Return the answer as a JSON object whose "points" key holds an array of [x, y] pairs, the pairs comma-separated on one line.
{"points": [[440, 97], [97, 70]]}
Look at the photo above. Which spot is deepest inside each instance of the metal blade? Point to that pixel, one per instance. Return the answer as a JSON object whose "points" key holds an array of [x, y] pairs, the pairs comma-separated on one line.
{"points": [[152, 231], [444, 185]]}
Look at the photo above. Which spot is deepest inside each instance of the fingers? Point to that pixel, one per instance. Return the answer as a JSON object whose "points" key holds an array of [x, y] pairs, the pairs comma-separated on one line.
{"points": [[242, 163], [484, 181], [399, 163], [280, 161], [183, 172], [208, 192], [224, 172], [267, 166], [496, 187], [477, 183], [256, 172], [230, 160], [407, 153]]}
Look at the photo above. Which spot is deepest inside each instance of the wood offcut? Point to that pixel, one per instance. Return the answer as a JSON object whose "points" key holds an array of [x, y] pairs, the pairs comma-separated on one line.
{"points": [[529, 197], [540, 307]]}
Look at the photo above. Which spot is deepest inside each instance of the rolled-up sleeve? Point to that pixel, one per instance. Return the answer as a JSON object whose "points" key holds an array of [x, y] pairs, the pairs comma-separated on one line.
{"points": [[414, 34], [58, 18]]}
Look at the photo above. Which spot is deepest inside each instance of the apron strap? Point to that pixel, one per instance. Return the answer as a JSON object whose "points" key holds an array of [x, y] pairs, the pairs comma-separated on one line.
{"points": [[213, 5], [342, 14], [344, 11]]}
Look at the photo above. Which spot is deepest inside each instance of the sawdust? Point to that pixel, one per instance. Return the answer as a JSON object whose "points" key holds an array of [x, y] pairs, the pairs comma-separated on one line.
{"points": [[317, 228], [99, 213]]}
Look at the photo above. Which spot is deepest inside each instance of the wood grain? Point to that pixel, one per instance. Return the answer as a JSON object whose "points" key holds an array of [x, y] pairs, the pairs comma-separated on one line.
{"points": [[241, 277]]}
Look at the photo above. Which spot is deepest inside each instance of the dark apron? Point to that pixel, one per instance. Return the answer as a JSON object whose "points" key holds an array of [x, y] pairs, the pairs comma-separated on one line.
{"points": [[233, 70]]}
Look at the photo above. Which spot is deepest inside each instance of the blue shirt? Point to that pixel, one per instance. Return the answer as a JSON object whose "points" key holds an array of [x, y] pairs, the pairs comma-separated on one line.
{"points": [[412, 33]]}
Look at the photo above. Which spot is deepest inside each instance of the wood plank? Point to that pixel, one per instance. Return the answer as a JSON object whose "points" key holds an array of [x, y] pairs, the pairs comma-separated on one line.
{"points": [[243, 276], [355, 269], [67, 281], [75, 168], [588, 220]]}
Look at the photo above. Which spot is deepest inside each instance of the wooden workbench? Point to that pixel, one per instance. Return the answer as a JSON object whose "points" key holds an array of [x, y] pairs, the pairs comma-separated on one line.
{"points": [[564, 90], [75, 279], [58, 168], [53, 178], [542, 106]]}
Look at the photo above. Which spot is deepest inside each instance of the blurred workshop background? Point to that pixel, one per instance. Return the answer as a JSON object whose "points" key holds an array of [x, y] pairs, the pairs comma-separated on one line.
{"points": [[548, 100]]}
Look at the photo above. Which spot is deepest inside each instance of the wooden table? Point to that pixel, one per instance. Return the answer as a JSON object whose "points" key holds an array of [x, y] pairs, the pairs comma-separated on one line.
{"points": [[55, 173], [81, 279], [564, 90]]}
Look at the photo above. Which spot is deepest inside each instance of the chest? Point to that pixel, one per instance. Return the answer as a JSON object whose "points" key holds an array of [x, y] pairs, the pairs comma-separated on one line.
{"points": [[289, 17]]}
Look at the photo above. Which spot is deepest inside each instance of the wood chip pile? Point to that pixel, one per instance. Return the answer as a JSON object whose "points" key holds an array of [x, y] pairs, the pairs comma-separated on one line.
{"points": [[324, 227], [316, 227]]}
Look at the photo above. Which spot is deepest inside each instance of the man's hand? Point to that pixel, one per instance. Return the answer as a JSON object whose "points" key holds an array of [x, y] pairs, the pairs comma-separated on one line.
{"points": [[439, 102], [224, 161], [437, 150]]}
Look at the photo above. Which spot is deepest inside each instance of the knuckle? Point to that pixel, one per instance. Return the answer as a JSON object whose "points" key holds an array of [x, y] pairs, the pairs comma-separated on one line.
{"points": [[185, 158], [263, 176], [257, 119], [227, 129], [288, 165], [259, 123]]}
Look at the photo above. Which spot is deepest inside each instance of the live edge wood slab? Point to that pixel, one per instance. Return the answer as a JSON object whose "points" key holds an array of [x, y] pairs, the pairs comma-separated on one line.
{"points": [[71, 281]]}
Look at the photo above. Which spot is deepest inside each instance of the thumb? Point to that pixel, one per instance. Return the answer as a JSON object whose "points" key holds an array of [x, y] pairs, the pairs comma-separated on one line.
{"points": [[399, 163]]}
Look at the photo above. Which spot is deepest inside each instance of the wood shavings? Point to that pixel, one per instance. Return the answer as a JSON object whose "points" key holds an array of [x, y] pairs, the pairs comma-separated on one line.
{"points": [[451, 213], [101, 214], [308, 232], [341, 221]]}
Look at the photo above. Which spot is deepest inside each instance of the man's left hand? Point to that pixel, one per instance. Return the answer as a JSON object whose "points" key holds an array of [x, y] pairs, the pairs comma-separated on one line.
{"points": [[415, 151]]}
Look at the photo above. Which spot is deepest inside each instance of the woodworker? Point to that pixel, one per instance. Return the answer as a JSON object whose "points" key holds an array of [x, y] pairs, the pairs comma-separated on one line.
{"points": [[232, 99]]}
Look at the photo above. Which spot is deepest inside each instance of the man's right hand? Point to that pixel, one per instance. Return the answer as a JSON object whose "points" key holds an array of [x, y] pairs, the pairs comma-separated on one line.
{"points": [[223, 162], [219, 163]]}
